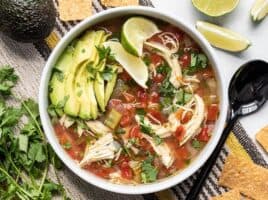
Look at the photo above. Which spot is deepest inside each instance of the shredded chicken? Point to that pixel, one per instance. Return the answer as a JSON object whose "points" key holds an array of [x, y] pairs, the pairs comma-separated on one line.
{"points": [[191, 128], [162, 150], [103, 149], [171, 59], [98, 127], [66, 121], [194, 124]]}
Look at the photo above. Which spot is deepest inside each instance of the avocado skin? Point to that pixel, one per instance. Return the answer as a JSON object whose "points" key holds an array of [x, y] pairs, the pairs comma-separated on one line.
{"points": [[27, 20]]}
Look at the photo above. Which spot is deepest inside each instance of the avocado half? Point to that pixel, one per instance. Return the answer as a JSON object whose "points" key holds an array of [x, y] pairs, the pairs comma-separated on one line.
{"points": [[27, 20]]}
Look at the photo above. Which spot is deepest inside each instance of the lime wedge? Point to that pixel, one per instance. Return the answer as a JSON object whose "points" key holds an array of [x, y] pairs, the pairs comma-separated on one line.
{"points": [[135, 66], [222, 38], [135, 31], [259, 10], [215, 8]]}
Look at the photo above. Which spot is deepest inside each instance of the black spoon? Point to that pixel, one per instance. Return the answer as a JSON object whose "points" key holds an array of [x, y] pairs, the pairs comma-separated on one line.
{"points": [[248, 91]]}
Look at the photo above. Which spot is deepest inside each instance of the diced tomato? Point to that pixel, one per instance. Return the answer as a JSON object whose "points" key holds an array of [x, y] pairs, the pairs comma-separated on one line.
{"points": [[125, 121], [146, 146], [134, 132], [125, 76], [186, 117], [100, 170], [158, 78], [207, 73], [156, 114], [68, 136], [128, 115], [154, 97], [183, 152], [185, 60], [126, 171], [179, 133], [213, 111], [142, 96], [129, 97], [156, 59], [116, 104], [203, 135]]}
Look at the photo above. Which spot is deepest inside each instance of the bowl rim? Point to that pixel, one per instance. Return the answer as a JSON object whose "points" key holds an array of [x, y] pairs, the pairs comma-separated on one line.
{"points": [[100, 182]]}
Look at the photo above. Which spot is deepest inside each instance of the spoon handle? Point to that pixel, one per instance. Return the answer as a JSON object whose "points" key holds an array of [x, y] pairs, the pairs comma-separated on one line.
{"points": [[205, 170]]}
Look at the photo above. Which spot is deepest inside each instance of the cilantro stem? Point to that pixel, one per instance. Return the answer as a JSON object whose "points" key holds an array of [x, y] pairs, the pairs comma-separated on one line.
{"points": [[35, 121], [44, 139], [15, 183]]}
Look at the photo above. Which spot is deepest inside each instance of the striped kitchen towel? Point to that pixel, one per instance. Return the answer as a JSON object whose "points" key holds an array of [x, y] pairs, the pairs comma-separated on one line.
{"points": [[29, 61]]}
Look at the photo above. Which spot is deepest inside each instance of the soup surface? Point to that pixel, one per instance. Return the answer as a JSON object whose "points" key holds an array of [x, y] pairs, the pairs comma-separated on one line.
{"points": [[115, 126]]}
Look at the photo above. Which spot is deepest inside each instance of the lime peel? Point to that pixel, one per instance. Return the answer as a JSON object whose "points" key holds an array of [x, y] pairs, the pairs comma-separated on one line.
{"points": [[215, 8], [223, 38], [259, 10], [136, 31], [135, 66]]}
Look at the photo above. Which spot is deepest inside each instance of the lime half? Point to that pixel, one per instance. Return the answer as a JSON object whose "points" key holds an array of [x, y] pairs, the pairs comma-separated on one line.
{"points": [[259, 10], [222, 38], [215, 8], [135, 31], [134, 65]]}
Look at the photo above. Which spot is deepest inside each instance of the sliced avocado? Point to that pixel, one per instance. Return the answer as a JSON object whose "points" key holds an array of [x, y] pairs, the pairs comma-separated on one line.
{"points": [[83, 51], [93, 101], [99, 86], [88, 44], [110, 85], [61, 70]]}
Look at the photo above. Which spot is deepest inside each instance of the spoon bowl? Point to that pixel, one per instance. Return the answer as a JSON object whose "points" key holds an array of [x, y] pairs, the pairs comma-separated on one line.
{"points": [[248, 89]]}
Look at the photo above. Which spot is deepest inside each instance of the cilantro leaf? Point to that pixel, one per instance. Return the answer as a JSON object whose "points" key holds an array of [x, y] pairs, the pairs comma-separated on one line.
{"points": [[8, 80], [105, 53], [198, 61], [148, 171]]}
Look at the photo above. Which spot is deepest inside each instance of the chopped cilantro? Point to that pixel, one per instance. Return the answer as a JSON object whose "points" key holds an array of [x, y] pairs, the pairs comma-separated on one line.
{"points": [[198, 61], [67, 145], [145, 128], [163, 69], [157, 139], [140, 111], [148, 171], [105, 53], [147, 60], [196, 144], [167, 89]]}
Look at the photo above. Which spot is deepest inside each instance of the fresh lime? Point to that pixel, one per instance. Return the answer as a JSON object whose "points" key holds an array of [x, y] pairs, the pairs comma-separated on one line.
{"points": [[222, 38], [135, 31], [215, 8], [259, 10], [135, 66]]}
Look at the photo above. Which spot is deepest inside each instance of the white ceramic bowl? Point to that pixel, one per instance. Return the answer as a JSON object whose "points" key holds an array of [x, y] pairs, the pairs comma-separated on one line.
{"points": [[91, 178]]}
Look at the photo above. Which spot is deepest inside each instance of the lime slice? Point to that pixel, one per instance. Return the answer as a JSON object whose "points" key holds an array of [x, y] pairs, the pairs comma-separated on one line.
{"points": [[215, 8], [135, 66], [259, 10], [135, 31], [223, 38]]}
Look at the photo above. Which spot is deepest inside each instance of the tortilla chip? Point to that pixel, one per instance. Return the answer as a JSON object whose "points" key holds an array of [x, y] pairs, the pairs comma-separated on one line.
{"points": [[250, 179], [118, 3], [262, 138], [74, 9], [231, 195]]}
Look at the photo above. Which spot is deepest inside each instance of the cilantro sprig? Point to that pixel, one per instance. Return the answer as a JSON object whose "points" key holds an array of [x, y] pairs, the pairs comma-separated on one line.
{"points": [[25, 155], [148, 171]]}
